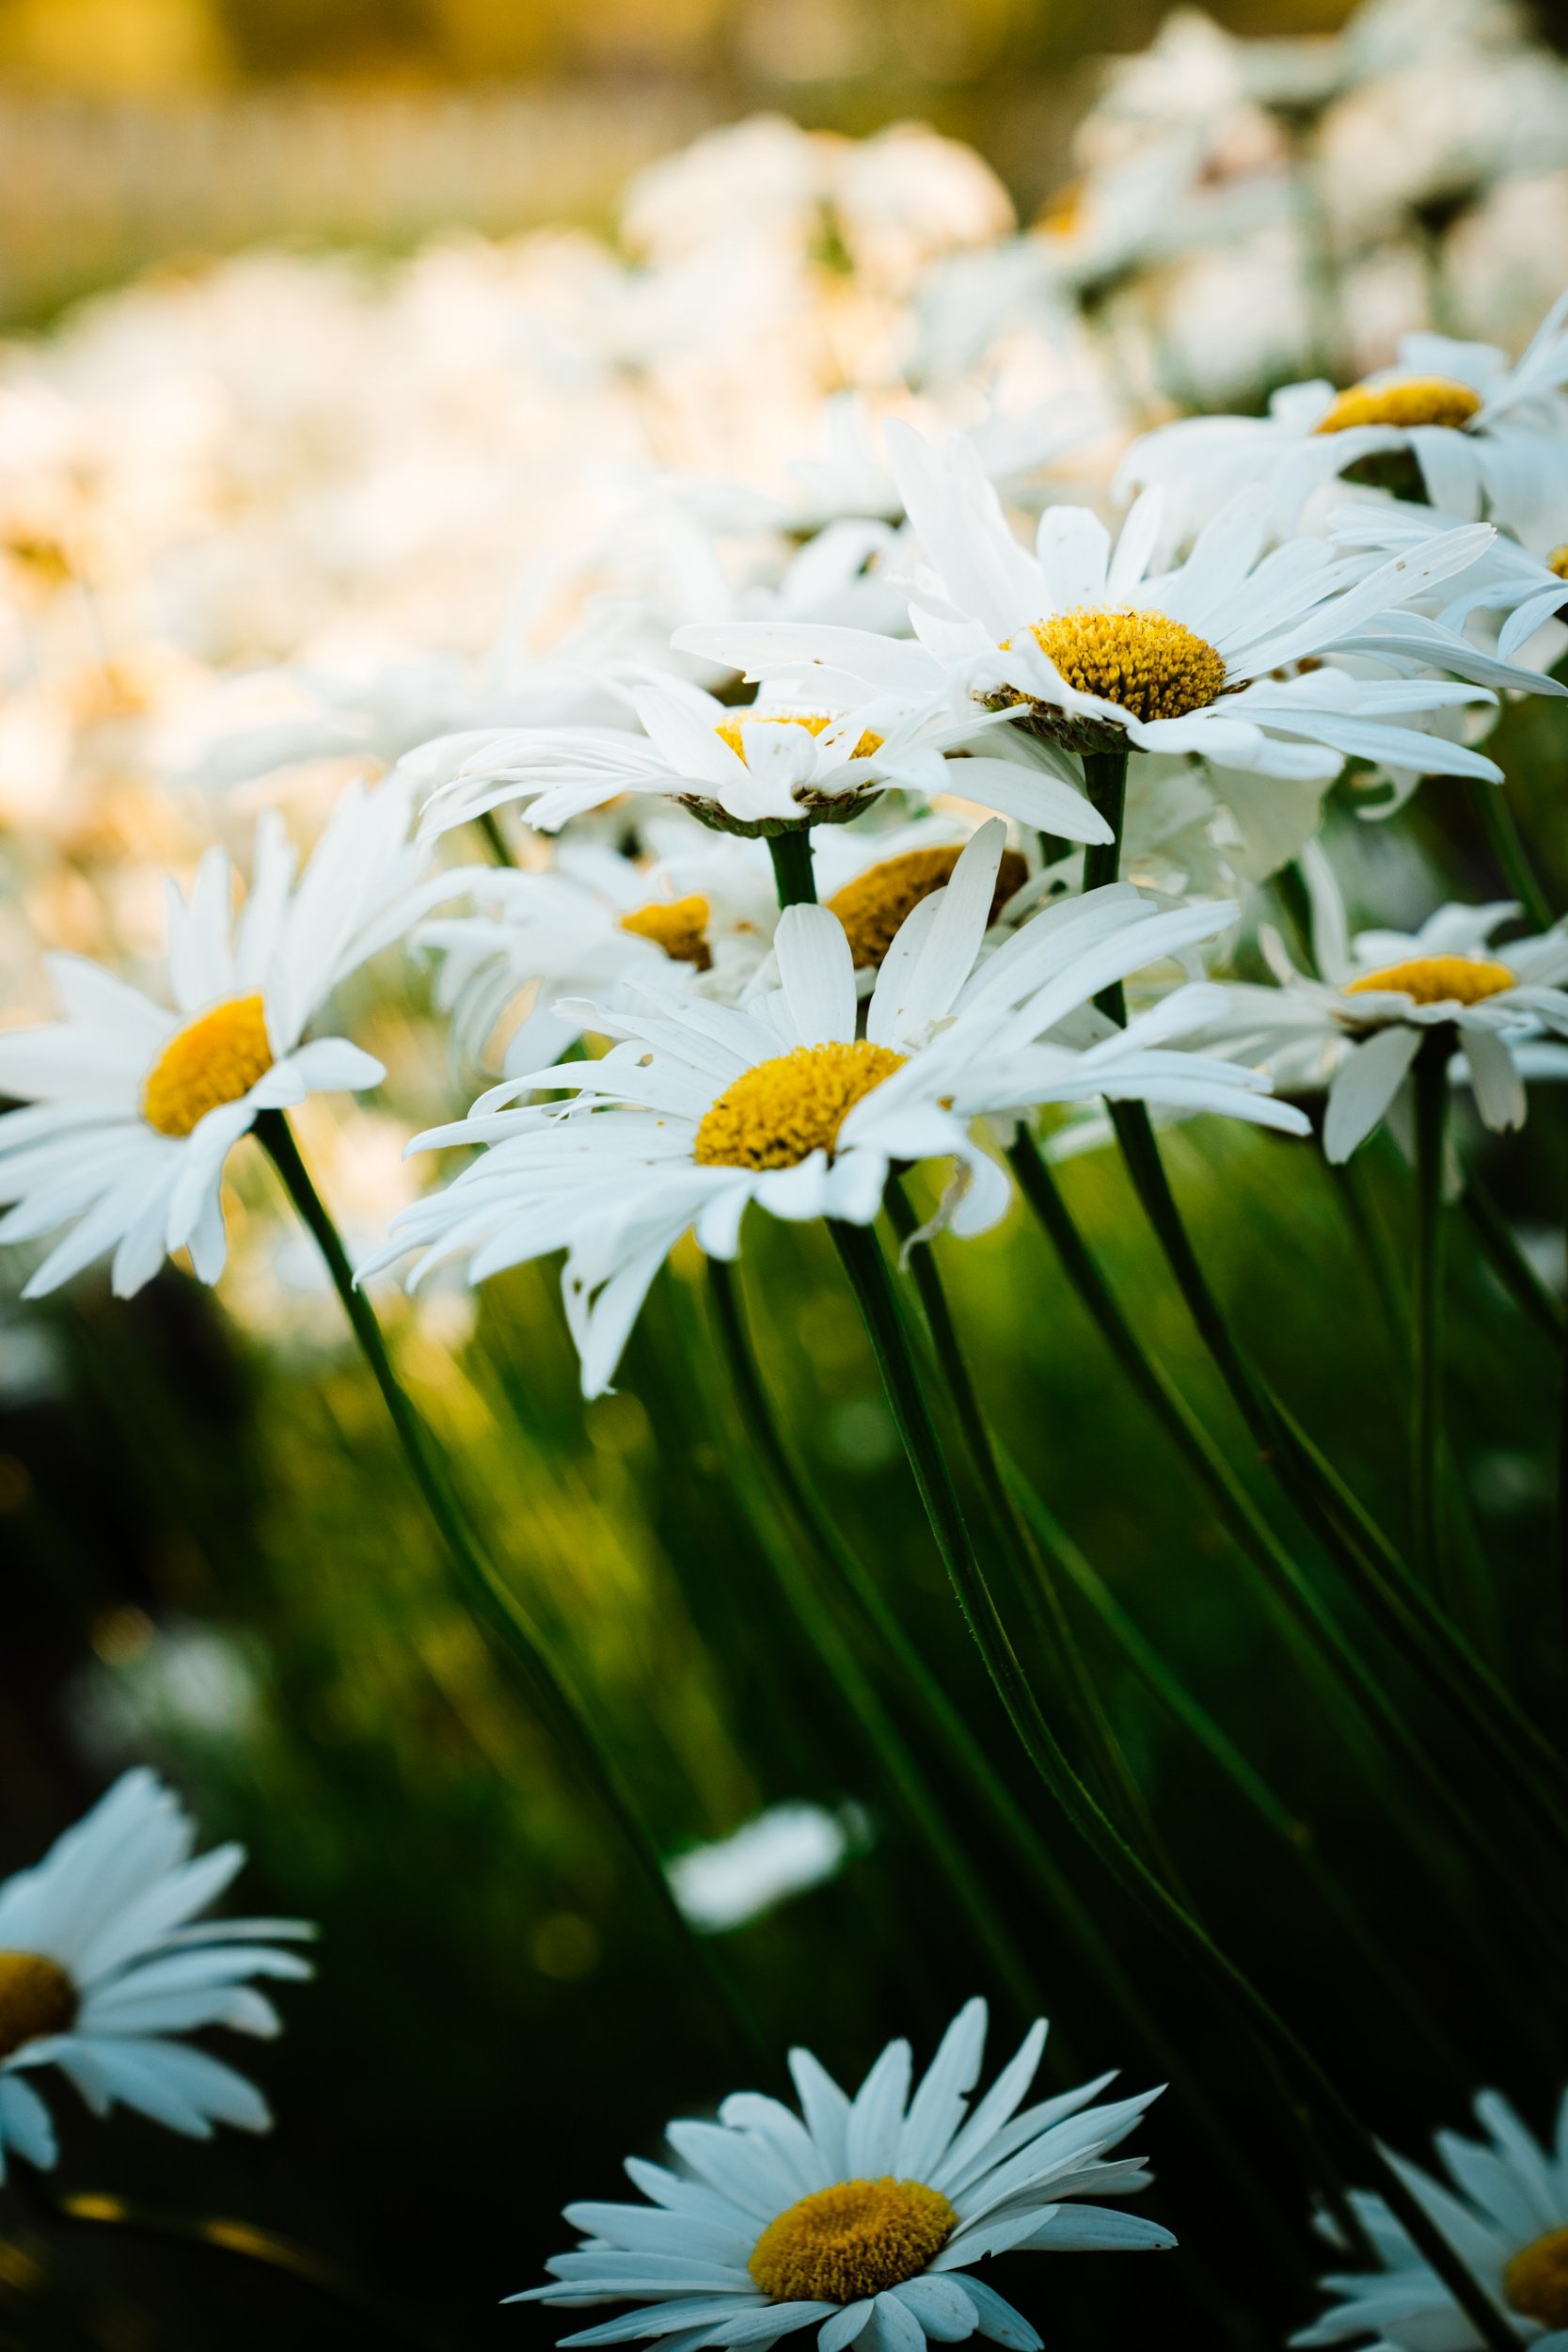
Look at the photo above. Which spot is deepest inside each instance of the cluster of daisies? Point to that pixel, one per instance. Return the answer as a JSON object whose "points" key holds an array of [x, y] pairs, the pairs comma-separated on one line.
{"points": [[946, 824], [861, 899], [862, 2216]]}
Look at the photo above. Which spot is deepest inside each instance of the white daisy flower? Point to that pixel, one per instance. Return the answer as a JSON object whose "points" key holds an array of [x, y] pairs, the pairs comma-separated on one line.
{"points": [[1487, 437], [700, 1109], [1531, 590], [1506, 2217], [1230, 656], [103, 1960], [1359, 1027], [131, 1110], [766, 768], [701, 914], [862, 2216]]}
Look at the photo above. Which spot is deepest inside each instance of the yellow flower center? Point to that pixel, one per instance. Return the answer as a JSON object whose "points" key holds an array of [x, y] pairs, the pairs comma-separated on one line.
{"points": [[213, 1060], [872, 907], [1535, 2281], [777, 1114], [1558, 561], [1437, 979], [679, 926], [36, 1997], [857, 2238], [1150, 667], [731, 731], [1415, 399]]}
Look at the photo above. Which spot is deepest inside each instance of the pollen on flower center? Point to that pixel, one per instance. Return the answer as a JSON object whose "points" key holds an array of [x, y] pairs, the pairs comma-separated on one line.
{"points": [[872, 907], [779, 1113], [1558, 561], [731, 731], [1437, 979], [1415, 399], [1536, 2281], [36, 1997], [854, 2239], [213, 1060], [1150, 665], [679, 926]]}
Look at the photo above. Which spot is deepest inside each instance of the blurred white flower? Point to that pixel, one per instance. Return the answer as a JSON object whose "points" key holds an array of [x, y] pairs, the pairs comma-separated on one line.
{"points": [[786, 1850], [103, 1960], [1504, 2211]]}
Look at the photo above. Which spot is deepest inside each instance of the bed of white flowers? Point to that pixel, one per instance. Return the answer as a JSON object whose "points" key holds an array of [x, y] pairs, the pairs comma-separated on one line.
{"points": [[825, 712]]}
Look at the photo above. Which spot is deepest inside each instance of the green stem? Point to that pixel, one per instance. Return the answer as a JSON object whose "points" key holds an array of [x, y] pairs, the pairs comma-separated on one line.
{"points": [[1506, 845], [1293, 1833], [1426, 1305], [1402, 1605], [1509, 1262], [1031, 1568], [953, 1728], [1563, 1500], [495, 840], [906, 1784], [1333, 1661], [1068, 1914], [1105, 781], [496, 1607], [878, 1302], [793, 876]]}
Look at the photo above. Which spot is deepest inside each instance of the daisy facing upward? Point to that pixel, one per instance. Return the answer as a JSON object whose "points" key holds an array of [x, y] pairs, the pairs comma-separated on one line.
{"points": [[104, 1960], [130, 1106], [861, 2218], [700, 1109], [1231, 656]]}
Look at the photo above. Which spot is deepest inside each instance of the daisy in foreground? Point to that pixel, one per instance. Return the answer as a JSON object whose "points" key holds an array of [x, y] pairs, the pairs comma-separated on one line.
{"points": [[1507, 2219], [1384, 993], [864, 2214], [700, 1109], [1230, 656], [103, 1958], [131, 1110]]}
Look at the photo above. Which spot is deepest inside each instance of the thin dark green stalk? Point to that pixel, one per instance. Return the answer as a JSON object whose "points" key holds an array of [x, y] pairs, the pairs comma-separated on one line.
{"points": [[1023, 1558], [496, 1606], [1293, 1833], [1426, 1306], [878, 1302], [1405, 1608], [1506, 845], [1350, 1189], [793, 875], [1339, 1522], [906, 1784], [1322, 1648], [1105, 781], [495, 840], [1561, 1530], [244, 2242], [1509, 1262], [1031, 1569], [813, 1521]]}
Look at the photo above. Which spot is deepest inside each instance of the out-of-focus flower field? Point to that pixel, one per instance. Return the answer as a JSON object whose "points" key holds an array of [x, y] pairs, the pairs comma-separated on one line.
{"points": [[272, 522]]}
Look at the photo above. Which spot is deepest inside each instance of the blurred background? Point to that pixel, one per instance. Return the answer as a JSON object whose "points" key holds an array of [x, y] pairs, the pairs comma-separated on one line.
{"points": [[137, 131], [338, 345]]}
